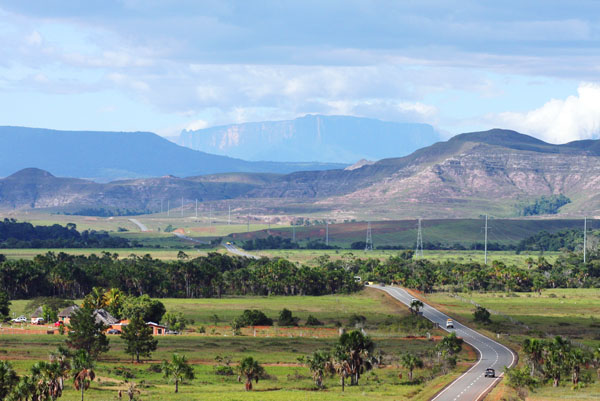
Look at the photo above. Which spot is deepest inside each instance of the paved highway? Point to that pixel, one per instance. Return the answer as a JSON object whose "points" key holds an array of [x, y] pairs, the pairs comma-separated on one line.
{"points": [[237, 251], [140, 225], [472, 385]]}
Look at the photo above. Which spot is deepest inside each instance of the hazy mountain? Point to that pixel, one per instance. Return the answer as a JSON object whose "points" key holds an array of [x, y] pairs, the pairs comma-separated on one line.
{"points": [[471, 174], [109, 155], [341, 139]]}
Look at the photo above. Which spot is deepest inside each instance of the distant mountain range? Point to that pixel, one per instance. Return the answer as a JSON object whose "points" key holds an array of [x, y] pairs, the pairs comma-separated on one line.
{"points": [[341, 139], [106, 156], [472, 174]]}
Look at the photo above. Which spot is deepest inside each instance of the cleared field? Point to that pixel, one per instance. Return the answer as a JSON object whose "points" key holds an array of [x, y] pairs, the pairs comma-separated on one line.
{"points": [[404, 232]]}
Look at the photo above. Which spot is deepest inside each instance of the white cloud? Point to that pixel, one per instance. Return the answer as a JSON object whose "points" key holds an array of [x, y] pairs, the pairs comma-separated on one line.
{"points": [[34, 39], [196, 125], [559, 121]]}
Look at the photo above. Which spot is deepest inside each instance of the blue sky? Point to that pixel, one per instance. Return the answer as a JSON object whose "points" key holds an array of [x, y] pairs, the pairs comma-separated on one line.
{"points": [[164, 66]]}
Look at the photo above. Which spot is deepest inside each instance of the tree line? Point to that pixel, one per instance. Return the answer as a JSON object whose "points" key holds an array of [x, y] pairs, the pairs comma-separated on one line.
{"points": [[215, 275], [15, 234]]}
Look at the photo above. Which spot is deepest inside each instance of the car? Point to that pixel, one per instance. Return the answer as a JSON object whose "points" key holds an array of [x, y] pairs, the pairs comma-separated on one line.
{"points": [[171, 332], [59, 323], [228, 243], [20, 319], [489, 372], [449, 324], [37, 320], [114, 331]]}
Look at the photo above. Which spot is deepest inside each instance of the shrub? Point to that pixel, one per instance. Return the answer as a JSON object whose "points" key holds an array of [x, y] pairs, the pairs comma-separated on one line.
{"points": [[482, 315], [251, 318], [287, 319], [313, 321], [357, 320]]}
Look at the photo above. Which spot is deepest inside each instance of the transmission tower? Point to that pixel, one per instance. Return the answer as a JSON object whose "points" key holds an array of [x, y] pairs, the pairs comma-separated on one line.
{"points": [[369, 241], [293, 233], [485, 239], [229, 218], [584, 239], [182, 206], [419, 249], [327, 233]]}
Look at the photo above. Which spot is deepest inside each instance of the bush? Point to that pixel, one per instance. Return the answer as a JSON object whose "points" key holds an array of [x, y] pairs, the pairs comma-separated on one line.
{"points": [[482, 315], [287, 319], [313, 321], [252, 318], [357, 320]]}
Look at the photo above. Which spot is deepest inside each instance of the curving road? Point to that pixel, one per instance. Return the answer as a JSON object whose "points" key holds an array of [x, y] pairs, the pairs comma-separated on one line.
{"points": [[472, 385], [237, 251], [140, 225]]}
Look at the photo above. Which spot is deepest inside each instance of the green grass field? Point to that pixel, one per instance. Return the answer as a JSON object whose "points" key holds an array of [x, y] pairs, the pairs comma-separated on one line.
{"points": [[288, 379], [573, 313]]}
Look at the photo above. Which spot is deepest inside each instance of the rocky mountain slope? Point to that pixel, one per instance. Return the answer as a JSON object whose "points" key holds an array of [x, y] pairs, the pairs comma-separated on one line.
{"points": [[106, 156], [491, 172], [342, 139]]}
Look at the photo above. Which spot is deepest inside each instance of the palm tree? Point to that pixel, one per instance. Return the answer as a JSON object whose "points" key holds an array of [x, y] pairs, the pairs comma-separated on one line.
{"points": [[319, 363], [96, 299], [132, 391], [177, 370], [357, 348], [48, 378], [25, 390], [534, 351], [8, 378], [341, 366], [251, 370], [411, 362], [416, 305], [576, 358], [83, 373]]}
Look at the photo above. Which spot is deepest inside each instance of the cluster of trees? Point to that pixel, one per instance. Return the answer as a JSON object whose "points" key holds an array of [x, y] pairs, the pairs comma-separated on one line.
{"points": [[14, 234], [551, 361], [353, 354], [568, 271], [214, 275], [545, 205], [272, 242], [545, 241]]}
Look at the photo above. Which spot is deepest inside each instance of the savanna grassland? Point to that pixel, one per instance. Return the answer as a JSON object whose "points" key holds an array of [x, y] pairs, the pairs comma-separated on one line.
{"points": [[390, 325]]}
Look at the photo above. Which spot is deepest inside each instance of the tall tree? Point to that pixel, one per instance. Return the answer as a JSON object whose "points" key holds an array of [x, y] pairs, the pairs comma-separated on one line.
{"points": [[82, 366], [357, 349], [48, 377], [534, 352], [139, 339], [251, 370], [86, 334], [4, 306], [177, 370]]}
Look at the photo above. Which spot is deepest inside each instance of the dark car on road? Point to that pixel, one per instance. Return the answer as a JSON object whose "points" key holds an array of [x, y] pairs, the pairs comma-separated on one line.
{"points": [[489, 372], [114, 331]]}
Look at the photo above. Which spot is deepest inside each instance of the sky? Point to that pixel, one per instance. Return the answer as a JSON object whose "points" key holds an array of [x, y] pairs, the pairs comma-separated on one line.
{"points": [[164, 66]]}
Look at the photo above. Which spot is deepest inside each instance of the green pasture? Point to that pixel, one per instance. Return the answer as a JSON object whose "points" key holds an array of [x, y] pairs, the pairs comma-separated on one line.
{"points": [[574, 313]]}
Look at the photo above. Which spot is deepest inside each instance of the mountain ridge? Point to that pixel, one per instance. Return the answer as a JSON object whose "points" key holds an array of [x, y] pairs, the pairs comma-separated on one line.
{"points": [[471, 174], [333, 138], [109, 155]]}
